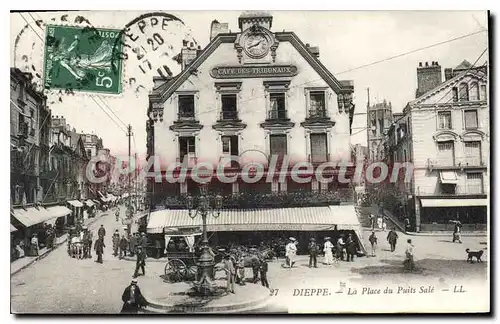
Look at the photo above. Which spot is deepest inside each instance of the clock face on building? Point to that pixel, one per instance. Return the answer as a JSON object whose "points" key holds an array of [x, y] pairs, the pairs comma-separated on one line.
{"points": [[256, 45]]}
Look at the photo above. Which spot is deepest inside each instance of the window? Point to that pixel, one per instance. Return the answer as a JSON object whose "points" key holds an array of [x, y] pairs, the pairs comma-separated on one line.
{"points": [[474, 91], [89, 153], [381, 123], [88, 138], [473, 153], [474, 183], [444, 119], [463, 92], [446, 152], [32, 120], [470, 119], [230, 145], [186, 106], [186, 147], [482, 92], [21, 124], [278, 106], [229, 106], [319, 148], [455, 94], [278, 145], [317, 107], [374, 127]]}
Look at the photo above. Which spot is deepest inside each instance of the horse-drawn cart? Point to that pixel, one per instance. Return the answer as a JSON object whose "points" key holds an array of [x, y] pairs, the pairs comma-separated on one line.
{"points": [[181, 264]]}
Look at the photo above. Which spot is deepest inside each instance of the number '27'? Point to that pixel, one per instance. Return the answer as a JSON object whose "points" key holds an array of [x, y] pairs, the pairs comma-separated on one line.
{"points": [[274, 292], [102, 81]]}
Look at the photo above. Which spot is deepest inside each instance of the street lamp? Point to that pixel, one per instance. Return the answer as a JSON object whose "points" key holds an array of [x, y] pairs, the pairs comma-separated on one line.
{"points": [[206, 285]]}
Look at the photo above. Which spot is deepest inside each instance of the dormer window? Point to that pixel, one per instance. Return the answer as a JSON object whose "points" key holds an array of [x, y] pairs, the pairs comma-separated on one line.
{"points": [[463, 93], [317, 104], [186, 106]]}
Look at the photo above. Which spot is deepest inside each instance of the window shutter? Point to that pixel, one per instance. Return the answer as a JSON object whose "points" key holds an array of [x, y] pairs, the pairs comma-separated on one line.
{"points": [[319, 150]]}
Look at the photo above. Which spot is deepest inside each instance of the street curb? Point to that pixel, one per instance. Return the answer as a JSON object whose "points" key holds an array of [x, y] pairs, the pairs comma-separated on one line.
{"points": [[40, 257]]}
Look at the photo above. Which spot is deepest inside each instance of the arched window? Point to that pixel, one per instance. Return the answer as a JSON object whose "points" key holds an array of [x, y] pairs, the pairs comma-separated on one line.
{"points": [[463, 93], [474, 91]]}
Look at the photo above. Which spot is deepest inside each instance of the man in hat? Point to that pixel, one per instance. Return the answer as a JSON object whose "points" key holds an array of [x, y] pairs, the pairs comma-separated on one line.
{"points": [[141, 261], [102, 231], [373, 241], [231, 272], [99, 248], [123, 246], [392, 238], [328, 251], [263, 271], [291, 252], [313, 253], [116, 242], [340, 247], [133, 244], [132, 299], [143, 240]]}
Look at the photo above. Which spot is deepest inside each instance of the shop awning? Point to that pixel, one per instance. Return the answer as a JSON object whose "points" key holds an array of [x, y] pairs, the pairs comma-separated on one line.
{"points": [[89, 203], [12, 228], [31, 216], [275, 219], [58, 211], [75, 203], [448, 177], [462, 202]]}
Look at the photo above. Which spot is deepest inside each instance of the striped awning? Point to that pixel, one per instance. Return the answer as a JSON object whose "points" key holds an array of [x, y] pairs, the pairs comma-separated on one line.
{"points": [[75, 203], [12, 228], [31, 216], [275, 219], [58, 211], [462, 202]]}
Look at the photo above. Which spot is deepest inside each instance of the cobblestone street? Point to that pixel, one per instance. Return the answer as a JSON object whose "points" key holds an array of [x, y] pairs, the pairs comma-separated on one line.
{"points": [[60, 284]]}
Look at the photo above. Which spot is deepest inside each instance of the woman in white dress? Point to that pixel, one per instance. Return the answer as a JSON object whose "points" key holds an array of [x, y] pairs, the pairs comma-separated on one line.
{"points": [[328, 251], [291, 251]]}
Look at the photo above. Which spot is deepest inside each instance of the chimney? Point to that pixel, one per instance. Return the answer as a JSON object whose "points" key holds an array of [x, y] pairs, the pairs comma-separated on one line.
{"points": [[188, 53], [428, 77], [314, 50], [448, 74], [218, 28]]}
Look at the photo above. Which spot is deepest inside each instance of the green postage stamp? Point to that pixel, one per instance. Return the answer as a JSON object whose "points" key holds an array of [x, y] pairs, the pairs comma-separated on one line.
{"points": [[81, 59]]}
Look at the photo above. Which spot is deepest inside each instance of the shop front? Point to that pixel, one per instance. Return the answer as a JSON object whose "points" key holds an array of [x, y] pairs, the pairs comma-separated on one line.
{"points": [[439, 214], [264, 227]]}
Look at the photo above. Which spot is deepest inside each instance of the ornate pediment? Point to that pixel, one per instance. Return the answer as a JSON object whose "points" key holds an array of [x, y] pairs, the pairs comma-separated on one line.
{"points": [[274, 125], [318, 123], [229, 126], [472, 135], [186, 126], [445, 136]]}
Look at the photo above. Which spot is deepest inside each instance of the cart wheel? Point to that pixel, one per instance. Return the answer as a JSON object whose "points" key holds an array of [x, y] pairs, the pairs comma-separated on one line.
{"points": [[175, 270]]}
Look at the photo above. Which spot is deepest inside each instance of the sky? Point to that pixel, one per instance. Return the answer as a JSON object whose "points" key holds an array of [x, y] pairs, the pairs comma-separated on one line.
{"points": [[348, 41]]}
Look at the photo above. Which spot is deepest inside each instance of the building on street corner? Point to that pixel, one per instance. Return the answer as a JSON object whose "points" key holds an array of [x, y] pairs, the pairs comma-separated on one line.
{"points": [[444, 133], [255, 94]]}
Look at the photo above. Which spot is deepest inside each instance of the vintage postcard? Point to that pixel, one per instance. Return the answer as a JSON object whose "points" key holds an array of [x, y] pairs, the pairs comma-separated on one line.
{"points": [[243, 162]]}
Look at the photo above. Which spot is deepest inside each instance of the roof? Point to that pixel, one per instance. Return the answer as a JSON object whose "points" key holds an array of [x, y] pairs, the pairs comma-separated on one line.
{"points": [[464, 65], [474, 72], [164, 91]]}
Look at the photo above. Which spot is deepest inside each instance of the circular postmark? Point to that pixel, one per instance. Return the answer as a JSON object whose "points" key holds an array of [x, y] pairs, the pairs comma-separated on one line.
{"points": [[149, 46]]}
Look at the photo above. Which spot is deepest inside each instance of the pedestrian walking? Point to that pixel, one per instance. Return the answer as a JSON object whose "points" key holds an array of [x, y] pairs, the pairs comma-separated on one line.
{"points": [[143, 240], [240, 271], [340, 247], [328, 251], [255, 269], [263, 272], [99, 249], [116, 242], [379, 222], [313, 253], [373, 241], [350, 248], [457, 232], [140, 262], [133, 244], [291, 252], [392, 238], [117, 214], [101, 232], [407, 224], [409, 262], [384, 223], [132, 299], [123, 246], [372, 221], [231, 272], [35, 248]]}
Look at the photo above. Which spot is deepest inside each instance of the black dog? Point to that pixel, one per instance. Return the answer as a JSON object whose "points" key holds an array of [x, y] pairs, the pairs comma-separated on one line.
{"points": [[474, 254]]}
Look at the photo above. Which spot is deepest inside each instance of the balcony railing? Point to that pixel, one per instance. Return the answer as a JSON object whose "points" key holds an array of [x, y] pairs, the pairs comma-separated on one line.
{"points": [[459, 191], [186, 115], [277, 114], [274, 200], [229, 115], [317, 113], [318, 158], [456, 163]]}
